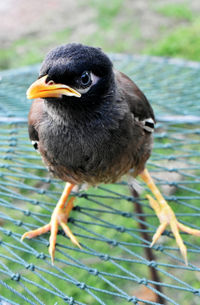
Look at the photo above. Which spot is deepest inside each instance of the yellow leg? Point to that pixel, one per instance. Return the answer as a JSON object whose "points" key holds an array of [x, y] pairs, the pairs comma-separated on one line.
{"points": [[166, 216], [60, 217]]}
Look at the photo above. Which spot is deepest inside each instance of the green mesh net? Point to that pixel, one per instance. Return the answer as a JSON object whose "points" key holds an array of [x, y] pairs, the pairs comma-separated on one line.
{"points": [[116, 263]]}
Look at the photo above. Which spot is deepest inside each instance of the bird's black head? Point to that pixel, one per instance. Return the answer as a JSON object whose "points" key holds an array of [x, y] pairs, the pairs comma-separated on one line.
{"points": [[74, 73]]}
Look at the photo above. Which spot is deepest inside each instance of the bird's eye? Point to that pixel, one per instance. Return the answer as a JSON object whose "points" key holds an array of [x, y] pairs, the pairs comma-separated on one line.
{"points": [[85, 79]]}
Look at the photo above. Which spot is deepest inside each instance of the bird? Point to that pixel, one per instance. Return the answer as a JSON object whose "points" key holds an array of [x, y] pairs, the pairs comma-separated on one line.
{"points": [[92, 124]]}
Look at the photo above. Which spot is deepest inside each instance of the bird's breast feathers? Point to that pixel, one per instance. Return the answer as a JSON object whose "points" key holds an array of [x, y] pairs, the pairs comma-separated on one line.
{"points": [[88, 152]]}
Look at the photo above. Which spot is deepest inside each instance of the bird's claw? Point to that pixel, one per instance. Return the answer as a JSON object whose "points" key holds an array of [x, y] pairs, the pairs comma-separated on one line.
{"points": [[167, 217], [60, 217]]}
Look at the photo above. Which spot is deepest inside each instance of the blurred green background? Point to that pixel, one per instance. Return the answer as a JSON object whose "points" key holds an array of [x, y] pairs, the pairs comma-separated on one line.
{"points": [[156, 27]]}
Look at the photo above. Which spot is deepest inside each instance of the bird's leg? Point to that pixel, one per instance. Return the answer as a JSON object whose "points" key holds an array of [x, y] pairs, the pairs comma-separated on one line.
{"points": [[60, 217], [166, 216]]}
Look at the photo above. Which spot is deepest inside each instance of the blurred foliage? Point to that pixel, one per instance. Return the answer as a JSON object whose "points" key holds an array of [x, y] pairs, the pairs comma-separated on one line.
{"points": [[184, 42], [177, 11], [117, 30], [106, 11], [26, 51]]}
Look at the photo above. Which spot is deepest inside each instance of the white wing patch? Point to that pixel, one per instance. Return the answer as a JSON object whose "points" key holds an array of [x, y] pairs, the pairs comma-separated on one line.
{"points": [[148, 124], [35, 144]]}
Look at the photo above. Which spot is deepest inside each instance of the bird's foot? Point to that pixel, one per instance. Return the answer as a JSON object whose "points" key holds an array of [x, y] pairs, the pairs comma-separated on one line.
{"points": [[167, 217], [60, 217]]}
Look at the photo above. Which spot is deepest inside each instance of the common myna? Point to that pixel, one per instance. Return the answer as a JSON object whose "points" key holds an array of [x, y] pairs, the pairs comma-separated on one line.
{"points": [[92, 124]]}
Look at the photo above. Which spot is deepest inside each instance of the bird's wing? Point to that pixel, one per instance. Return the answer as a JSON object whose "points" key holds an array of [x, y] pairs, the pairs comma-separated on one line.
{"points": [[34, 118], [136, 100]]}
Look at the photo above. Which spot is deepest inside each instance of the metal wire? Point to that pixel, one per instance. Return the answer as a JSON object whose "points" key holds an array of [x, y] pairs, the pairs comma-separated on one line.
{"points": [[111, 266]]}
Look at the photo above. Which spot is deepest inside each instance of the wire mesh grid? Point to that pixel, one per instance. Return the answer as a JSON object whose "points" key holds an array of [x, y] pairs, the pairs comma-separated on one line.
{"points": [[113, 228]]}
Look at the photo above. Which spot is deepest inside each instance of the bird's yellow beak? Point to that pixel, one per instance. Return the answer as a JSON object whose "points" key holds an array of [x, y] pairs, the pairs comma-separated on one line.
{"points": [[40, 89]]}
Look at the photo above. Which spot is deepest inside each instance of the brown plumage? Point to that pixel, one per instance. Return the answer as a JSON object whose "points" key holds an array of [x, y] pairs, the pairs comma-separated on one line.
{"points": [[92, 124]]}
